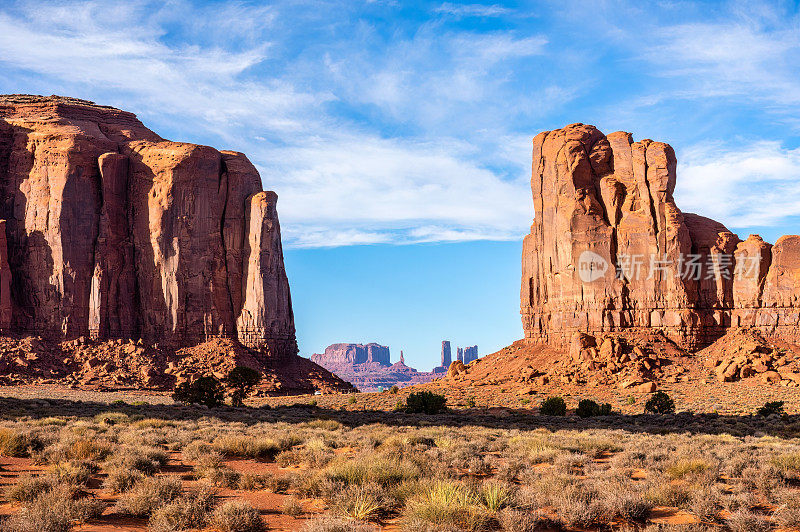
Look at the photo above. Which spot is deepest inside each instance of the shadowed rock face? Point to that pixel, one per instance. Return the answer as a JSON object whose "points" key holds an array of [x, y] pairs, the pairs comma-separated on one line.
{"points": [[113, 231], [605, 200]]}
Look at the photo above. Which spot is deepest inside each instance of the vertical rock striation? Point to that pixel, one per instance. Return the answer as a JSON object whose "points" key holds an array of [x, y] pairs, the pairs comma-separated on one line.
{"points": [[609, 250], [115, 232]]}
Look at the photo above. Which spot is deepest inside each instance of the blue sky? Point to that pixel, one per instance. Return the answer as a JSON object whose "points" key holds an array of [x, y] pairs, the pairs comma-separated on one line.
{"points": [[397, 134]]}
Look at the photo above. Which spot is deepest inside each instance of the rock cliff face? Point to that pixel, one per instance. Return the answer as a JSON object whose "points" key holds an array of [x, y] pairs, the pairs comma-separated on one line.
{"points": [[112, 231], [609, 250]]}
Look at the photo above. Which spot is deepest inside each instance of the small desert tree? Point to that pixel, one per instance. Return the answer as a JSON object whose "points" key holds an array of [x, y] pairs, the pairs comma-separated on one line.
{"points": [[206, 391], [242, 379]]}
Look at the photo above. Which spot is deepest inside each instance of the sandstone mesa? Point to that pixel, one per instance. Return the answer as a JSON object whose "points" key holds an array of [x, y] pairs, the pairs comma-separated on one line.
{"points": [[368, 367]]}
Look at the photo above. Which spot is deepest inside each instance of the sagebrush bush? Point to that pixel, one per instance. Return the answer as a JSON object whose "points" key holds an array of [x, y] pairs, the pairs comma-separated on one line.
{"points": [[237, 516], [148, 495], [191, 511]]}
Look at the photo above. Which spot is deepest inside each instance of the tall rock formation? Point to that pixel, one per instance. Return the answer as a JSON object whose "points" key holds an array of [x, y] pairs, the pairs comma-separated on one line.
{"points": [[470, 354], [609, 250], [112, 231], [445, 359]]}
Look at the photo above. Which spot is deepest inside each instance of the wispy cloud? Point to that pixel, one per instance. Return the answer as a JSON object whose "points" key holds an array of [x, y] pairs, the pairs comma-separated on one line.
{"points": [[758, 185], [473, 10]]}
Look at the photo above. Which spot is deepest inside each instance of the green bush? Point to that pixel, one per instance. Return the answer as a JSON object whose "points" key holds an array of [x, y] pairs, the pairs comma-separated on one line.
{"points": [[660, 403], [242, 380], [427, 402], [770, 408], [205, 391], [553, 406], [589, 408]]}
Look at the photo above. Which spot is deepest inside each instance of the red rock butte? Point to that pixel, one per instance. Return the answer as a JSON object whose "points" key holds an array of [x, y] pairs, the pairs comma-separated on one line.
{"points": [[111, 231], [611, 196]]}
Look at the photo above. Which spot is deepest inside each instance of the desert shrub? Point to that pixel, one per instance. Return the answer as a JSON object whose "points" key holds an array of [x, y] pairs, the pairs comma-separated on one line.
{"points": [[553, 406], [445, 505], [206, 391], [660, 403], [28, 488], [687, 467], [15, 444], [512, 520], [589, 408], [578, 507], [188, 512], [237, 516], [787, 514], [73, 472], [382, 471], [53, 511], [336, 524], [120, 479], [352, 399], [252, 481], [743, 520], [425, 402], [258, 448], [495, 495], [148, 460], [292, 506], [242, 379], [394, 389], [148, 495], [362, 503], [770, 408], [222, 477]]}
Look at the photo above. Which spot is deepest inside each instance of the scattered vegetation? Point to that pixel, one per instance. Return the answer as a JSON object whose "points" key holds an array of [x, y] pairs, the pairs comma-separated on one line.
{"points": [[553, 406], [242, 380], [660, 403], [425, 402], [771, 408], [207, 391], [589, 408]]}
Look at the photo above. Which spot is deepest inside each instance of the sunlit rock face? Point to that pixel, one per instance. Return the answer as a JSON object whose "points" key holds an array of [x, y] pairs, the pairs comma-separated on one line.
{"points": [[609, 250], [112, 231]]}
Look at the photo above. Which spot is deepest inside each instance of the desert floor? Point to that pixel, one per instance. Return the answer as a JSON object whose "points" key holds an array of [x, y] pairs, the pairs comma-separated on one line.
{"points": [[135, 461]]}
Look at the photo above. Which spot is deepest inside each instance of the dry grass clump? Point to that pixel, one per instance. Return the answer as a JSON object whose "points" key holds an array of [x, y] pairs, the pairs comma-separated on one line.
{"points": [[15, 444], [53, 511], [191, 511], [382, 471], [148, 495], [28, 488], [237, 516], [337, 524], [237, 446], [447, 504], [292, 506]]}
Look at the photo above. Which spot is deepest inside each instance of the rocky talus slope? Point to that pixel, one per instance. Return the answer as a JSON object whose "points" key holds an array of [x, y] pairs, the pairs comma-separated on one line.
{"points": [[110, 233], [609, 251]]}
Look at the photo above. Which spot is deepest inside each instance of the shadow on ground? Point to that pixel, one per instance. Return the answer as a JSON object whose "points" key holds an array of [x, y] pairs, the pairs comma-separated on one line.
{"points": [[786, 426]]}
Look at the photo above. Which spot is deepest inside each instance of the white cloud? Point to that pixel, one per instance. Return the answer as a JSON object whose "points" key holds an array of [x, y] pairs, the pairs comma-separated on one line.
{"points": [[340, 181], [740, 187], [473, 10]]}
